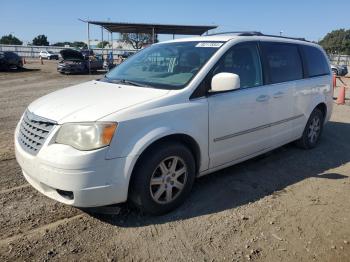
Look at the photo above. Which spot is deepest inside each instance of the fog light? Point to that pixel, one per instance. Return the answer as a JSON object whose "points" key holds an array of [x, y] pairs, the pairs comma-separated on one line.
{"points": [[66, 194]]}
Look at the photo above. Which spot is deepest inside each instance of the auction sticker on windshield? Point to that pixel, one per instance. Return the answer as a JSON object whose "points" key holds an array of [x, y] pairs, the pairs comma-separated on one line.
{"points": [[209, 44]]}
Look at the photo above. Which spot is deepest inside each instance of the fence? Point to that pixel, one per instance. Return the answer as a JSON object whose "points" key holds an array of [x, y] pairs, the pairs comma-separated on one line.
{"points": [[340, 59], [33, 51]]}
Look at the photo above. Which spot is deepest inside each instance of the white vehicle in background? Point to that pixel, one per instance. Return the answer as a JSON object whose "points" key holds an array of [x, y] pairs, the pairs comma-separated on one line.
{"points": [[170, 113], [48, 55]]}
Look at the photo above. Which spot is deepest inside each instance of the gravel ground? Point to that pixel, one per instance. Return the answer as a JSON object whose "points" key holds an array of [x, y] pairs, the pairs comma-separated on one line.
{"points": [[288, 205]]}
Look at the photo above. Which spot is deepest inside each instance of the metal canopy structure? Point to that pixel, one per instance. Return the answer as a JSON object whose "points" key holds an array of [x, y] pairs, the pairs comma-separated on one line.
{"points": [[139, 28], [153, 28]]}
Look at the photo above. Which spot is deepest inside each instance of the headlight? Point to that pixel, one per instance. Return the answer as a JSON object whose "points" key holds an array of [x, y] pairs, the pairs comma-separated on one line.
{"points": [[86, 136]]}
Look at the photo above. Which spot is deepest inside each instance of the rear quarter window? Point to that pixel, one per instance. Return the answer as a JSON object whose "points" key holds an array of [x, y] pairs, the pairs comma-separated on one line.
{"points": [[283, 62], [316, 63]]}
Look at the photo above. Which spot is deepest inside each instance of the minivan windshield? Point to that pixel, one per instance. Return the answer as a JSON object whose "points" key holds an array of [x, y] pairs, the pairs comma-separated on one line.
{"points": [[165, 66]]}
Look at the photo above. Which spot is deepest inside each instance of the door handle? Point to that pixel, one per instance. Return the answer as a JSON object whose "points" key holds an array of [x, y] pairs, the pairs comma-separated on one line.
{"points": [[262, 98], [278, 94]]}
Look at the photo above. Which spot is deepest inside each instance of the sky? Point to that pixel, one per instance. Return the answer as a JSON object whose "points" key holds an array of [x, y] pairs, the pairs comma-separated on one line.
{"points": [[311, 19]]}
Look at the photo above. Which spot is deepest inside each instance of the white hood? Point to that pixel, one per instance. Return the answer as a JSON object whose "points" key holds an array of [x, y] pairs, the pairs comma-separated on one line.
{"points": [[91, 101]]}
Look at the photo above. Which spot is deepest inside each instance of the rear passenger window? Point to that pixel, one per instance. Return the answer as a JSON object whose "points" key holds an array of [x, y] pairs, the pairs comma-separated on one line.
{"points": [[283, 62], [316, 62], [243, 60]]}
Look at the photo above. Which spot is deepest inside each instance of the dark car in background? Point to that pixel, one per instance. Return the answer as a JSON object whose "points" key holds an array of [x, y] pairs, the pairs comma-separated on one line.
{"points": [[127, 54], [87, 53], [339, 70], [10, 60], [74, 62]]}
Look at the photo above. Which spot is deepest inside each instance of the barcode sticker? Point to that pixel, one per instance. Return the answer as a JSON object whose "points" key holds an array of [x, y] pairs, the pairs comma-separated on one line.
{"points": [[209, 44]]}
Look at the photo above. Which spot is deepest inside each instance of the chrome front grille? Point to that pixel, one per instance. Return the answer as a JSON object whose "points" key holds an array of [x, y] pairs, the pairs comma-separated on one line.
{"points": [[33, 132]]}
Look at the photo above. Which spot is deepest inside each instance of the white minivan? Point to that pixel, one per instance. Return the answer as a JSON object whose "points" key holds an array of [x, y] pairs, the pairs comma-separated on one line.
{"points": [[172, 112]]}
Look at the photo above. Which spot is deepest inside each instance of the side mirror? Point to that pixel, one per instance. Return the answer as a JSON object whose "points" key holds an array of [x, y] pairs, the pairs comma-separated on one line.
{"points": [[225, 82]]}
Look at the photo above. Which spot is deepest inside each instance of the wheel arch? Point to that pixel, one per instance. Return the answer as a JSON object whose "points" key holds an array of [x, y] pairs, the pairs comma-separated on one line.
{"points": [[323, 107], [185, 139], [318, 101]]}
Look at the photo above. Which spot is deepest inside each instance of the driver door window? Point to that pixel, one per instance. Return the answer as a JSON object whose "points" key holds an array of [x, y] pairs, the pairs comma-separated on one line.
{"points": [[243, 60]]}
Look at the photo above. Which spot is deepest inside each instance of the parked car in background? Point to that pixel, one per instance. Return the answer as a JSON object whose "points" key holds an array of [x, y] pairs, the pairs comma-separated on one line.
{"points": [[127, 54], [95, 62], [86, 53], [73, 62], [172, 112], [48, 55], [339, 70], [9, 60], [108, 65]]}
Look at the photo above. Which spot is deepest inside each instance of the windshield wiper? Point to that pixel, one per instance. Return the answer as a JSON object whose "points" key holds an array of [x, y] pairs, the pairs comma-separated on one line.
{"points": [[126, 82]]}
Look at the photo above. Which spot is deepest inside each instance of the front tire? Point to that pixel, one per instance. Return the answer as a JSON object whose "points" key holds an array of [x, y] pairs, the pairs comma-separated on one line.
{"points": [[162, 178], [312, 131]]}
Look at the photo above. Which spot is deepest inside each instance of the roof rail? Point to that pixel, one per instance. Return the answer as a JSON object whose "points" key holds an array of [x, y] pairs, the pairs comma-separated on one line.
{"points": [[288, 37], [239, 33], [256, 33]]}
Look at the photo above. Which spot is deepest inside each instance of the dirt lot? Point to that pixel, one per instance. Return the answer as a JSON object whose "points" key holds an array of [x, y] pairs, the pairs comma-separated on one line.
{"points": [[290, 205]]}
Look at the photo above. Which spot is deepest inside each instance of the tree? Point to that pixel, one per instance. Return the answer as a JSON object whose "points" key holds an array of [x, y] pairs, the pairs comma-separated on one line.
{"points": [[40, 40], [138, 40], [10, 40], [102, 44], [337, 42], [62, 44], [75, 44], [79, 44]]}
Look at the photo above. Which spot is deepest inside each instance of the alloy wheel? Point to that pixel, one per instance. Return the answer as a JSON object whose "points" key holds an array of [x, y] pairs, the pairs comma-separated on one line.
{"points": [[168, 180], [314, 129]]}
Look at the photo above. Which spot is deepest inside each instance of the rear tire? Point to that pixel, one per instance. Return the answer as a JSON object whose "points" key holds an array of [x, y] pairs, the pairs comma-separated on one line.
{"points": [[313, 130], [162, 178]]}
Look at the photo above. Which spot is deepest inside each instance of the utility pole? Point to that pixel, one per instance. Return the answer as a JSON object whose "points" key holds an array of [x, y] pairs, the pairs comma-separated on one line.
{"points": [[88, 44]]}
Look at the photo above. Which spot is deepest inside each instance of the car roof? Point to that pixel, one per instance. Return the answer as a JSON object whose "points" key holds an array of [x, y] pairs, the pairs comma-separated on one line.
{"points": [[219, 38], [9, 52], [249, 35]]}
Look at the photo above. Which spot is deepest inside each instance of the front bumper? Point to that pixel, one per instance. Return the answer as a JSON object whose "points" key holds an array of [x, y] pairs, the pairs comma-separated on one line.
{"points": [[71, 69], [77, 178]]}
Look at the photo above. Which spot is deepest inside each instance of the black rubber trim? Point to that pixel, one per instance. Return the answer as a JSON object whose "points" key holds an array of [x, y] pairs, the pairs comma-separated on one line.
{"points": [[256, 128]]}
